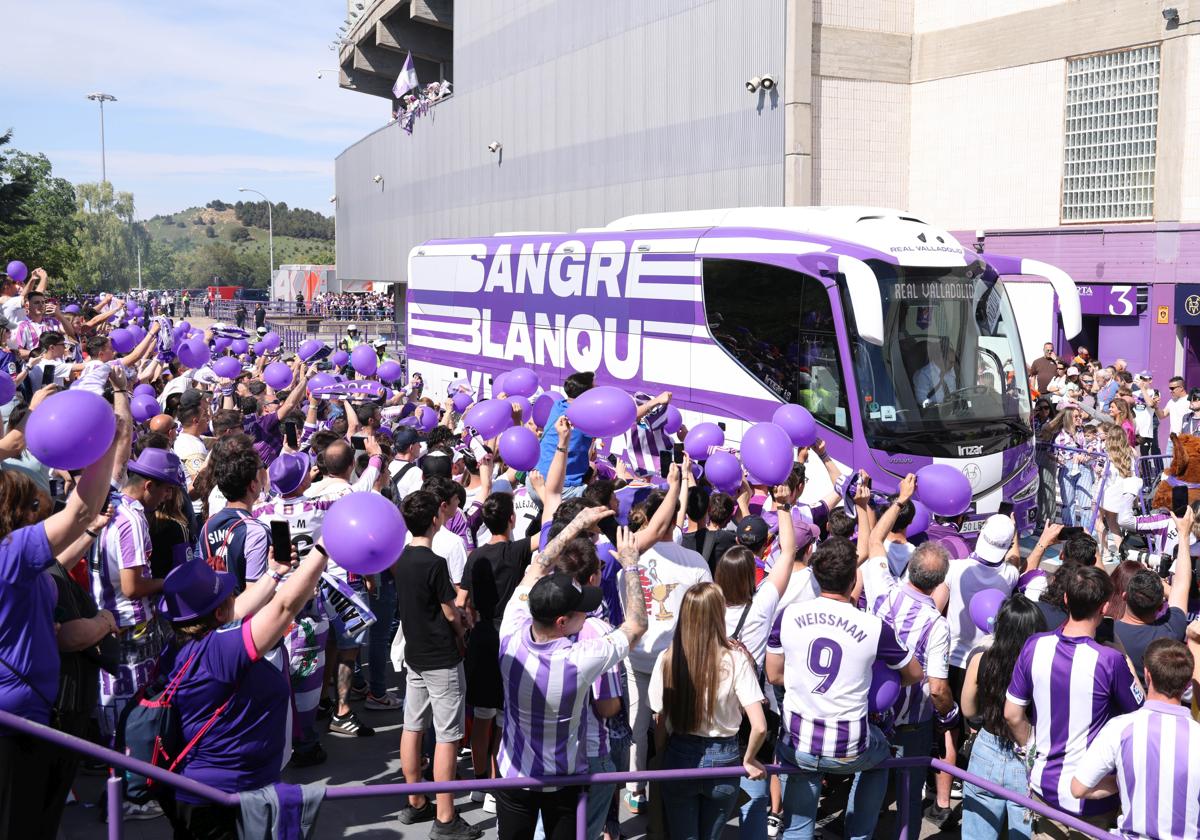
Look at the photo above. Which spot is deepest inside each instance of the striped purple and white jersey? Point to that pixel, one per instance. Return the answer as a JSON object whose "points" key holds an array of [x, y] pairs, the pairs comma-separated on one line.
{"points": [[545, 688], [1075, 686], [829, 648], [608, 686], [124, 544], [29, 332], [1151, 752], [304, 517], [640, 447], [919, 626]]}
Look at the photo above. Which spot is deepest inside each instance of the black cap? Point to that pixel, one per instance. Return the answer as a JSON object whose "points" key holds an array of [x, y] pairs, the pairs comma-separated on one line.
{"points": [[752, 531], [558, 594], [405, 437], [191, 398]]}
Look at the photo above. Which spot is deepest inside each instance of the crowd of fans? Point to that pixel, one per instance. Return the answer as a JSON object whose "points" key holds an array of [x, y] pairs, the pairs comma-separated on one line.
{"points": [[348, 306], [593, 613]]}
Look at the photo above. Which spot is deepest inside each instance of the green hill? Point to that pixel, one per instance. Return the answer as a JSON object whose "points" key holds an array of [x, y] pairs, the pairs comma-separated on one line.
{"points": [[188, 230]]}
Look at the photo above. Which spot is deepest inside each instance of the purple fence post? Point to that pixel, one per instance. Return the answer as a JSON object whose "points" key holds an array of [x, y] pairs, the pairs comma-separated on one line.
{"points": [[902, 803], [115, 815], [581, 814]]}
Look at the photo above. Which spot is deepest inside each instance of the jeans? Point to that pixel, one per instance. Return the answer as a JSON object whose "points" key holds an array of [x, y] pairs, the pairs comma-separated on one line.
{"points": [[379, 639], [802, 790], [912, 742], [1068, 488], [984, 813], [697, 809], [754, 812]]}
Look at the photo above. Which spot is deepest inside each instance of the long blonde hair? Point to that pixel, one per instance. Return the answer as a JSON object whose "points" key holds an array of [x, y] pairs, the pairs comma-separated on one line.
{"points": [[692, 665], [1120, 454]]}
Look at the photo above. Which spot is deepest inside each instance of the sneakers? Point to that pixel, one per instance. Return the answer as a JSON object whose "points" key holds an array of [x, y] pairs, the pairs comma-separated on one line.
{"points": [[943, 818], [410, 815], [774, 824], [308, 758], [358, 692], [350, 725], [456, 829], [478, 795], [149, 811], [489, 804], [633, 803], [387, 703], [956, 789]]}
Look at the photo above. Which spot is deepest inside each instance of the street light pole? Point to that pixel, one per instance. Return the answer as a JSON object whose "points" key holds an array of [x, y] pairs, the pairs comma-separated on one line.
{"points": [[102, 98], [270, 235]]}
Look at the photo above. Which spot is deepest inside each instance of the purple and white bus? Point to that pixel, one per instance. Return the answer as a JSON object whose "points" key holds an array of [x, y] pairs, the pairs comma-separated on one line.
{"points": [[899, 340]]}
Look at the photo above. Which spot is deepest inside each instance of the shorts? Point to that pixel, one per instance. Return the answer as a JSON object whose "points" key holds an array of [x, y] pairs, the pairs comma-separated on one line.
{"points": [[484, 713], [435, 695], [344, 640]]}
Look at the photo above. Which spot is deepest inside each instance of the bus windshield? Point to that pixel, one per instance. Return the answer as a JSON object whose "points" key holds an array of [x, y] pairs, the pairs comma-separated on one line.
{"points": [[950, 368]]}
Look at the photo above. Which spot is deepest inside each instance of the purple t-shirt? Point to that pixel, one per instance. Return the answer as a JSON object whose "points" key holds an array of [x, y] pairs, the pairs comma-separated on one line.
{"points": [[27, 640], [267, 434], [244, 749]]}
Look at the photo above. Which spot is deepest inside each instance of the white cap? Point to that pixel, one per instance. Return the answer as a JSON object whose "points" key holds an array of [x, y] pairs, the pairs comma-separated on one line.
{"points": [[351, 327], [995, 540], [380, 342]]}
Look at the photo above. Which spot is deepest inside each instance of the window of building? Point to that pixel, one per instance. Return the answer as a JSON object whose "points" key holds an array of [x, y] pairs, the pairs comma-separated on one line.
{"points": [[1111, 129], [779, 325]]}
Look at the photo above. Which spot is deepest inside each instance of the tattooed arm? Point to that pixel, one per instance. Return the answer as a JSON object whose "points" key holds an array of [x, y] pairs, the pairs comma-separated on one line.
{"points": [[634, 600]]}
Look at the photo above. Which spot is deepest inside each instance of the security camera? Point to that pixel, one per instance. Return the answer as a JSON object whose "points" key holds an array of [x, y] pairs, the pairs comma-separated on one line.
{"points": [[333, 199], [753, 84], [377, 179], [768, 82], [494, 146], [1171, 16]]}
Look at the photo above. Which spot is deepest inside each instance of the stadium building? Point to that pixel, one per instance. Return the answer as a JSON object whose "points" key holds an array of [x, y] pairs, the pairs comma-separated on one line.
{"points": [[1063, 130]]}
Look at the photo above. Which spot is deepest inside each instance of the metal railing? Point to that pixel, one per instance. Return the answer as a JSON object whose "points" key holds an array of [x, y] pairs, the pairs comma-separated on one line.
{"points": [[114, 790], [1077, 494], [315, 326]]}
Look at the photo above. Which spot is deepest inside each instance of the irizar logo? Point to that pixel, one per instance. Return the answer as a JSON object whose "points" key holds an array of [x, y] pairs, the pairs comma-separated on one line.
{"points": [[966, 451]]}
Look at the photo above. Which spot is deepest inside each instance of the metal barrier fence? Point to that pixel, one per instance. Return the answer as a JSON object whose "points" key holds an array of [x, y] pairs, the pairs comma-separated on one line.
{"points": [[314, 327], [1078, 476], [114, 791]]}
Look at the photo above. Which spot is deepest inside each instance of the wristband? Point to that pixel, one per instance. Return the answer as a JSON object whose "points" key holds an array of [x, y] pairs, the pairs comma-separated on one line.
{"points": [[275, 576], [560, 449], [948, 720], [91, 533]]}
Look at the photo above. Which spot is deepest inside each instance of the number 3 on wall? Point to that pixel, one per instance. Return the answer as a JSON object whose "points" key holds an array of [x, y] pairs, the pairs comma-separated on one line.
{"points": [[1122, 305], [824, 660]]}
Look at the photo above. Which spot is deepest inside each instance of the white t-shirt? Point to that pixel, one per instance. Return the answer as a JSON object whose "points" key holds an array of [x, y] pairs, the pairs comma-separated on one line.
{"points": [[13, 309], [176, 386], [966, 577], [1177, 408], [94, 377], [37, 373], [898, 555], [216, 501], [666, 571], [192, 454], [737, 688], [802, 586], [757, 625], [1143, 421], [411, 482], [449, 545]]}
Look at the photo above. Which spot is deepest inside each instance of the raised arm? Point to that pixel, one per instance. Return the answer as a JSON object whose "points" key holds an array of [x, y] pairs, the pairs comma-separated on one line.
{"points": [[645, 408], [833, 496], [299, 389], [275, 615], [634, 602], [781, 572], [887, 520], [556, 475], [142, 348], [1049, 537], [648, 536], [1181, 575]]}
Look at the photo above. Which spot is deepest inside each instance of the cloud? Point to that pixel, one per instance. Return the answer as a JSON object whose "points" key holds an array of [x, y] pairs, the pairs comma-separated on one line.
{"points": [[168, 165]]}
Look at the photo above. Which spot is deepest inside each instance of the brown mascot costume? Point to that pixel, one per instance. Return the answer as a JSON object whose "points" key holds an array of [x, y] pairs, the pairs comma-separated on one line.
{"points": [[1184, 470]]}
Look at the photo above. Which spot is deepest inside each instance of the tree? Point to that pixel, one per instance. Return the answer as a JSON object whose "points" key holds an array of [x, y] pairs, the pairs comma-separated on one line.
{"points": [[210, 233], [107, 252], [239, 234], [39, 228]]}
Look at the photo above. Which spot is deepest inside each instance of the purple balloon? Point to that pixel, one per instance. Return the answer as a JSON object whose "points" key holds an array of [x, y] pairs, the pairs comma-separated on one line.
{"points": [[984, 607], [943, 489], [18, 271], [489, 418], [278, 375], [179, 331], [221, 343], [7, 388], [184, 326], [520, 448], [885, 688], [498, 385], [521, 382], [239, 346], [271, 340], [701, 438], [920, 520], [673, 422], [798, 422], [71, 430], [542, 407], [122, 340], [339, 358], [227, 367], [321, 380], [364, 533], [193, 352], [143, 407], [767, 452], [364, 360], [462, 401], [145, 388], [603, 412], [389, 371], [723, 471], [427, 418], [259, 348]]}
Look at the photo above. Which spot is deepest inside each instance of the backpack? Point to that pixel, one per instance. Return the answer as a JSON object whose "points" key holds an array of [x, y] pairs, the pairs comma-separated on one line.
{"points": [[149, 729]]}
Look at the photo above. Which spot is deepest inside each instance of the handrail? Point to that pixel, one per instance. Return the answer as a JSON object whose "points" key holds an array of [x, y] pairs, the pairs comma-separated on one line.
{"points": [[211, 794]]}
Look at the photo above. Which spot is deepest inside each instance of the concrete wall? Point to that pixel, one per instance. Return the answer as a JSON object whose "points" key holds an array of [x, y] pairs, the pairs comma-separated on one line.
{"points": [[603, 109]]}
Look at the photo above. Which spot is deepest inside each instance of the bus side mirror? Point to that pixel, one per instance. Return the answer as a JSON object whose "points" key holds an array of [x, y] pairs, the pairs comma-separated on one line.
{"points": [[863, 288]]}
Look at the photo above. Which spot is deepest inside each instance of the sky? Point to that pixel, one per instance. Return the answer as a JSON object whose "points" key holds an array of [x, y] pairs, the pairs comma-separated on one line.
{"points": [[212, 95]]}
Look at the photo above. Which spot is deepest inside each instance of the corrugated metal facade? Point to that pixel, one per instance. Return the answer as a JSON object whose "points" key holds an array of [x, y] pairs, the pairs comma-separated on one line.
{"points": [[603, 109]]}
